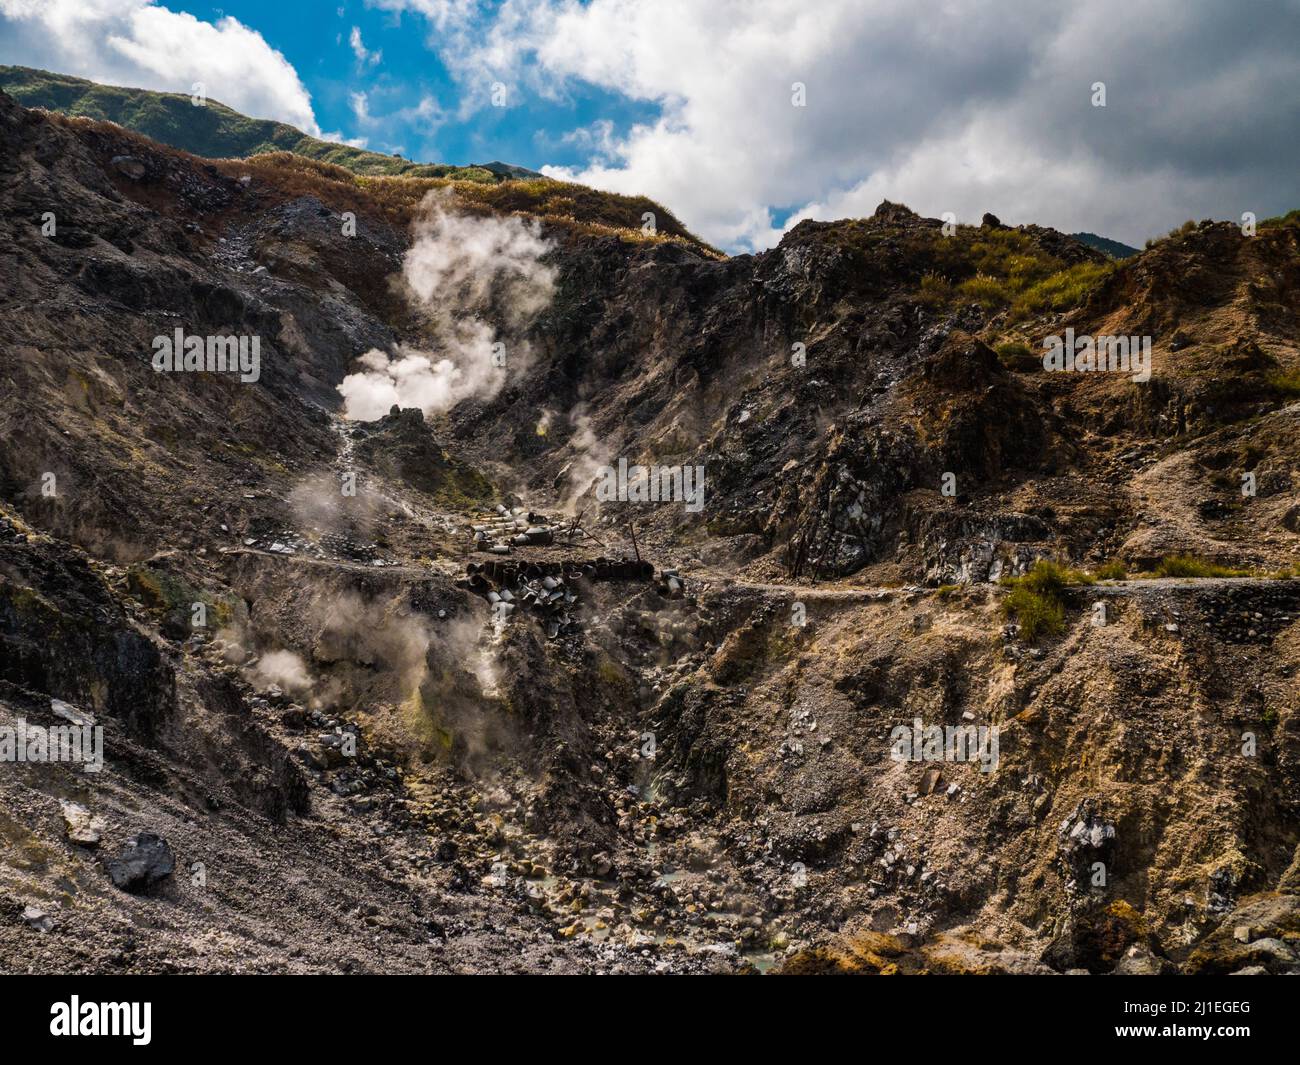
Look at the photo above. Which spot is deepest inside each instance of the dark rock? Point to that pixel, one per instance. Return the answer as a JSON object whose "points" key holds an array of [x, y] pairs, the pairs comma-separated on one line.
{"points": [[145, 862], [129, 165]]}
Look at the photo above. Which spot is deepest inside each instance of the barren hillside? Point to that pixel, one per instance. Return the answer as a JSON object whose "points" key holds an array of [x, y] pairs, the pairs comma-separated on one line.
{"points": [[402, 690]]}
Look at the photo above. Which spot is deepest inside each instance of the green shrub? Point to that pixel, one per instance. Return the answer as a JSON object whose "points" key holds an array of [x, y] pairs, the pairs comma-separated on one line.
{"points": [[1291, 218], [935, 290], [1191, 566], [1000, 268], [1284, 384], [1037, 600], [1114, 570], [987, 290], [1062, 290], [1035, 613]]}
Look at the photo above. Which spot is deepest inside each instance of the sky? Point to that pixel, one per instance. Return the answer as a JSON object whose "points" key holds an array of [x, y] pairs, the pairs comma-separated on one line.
{"points": [[744, 117]]}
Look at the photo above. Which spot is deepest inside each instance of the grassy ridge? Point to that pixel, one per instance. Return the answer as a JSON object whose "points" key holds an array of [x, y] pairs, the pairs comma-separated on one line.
{"points": [[397, 197], [213, 131]]}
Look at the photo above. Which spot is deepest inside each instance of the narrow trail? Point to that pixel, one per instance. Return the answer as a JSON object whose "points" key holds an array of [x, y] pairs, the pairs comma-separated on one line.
{"points": [[813, 592]]}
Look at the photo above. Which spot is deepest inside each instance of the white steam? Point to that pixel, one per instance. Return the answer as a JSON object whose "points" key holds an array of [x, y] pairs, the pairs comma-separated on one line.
{"points": [[590, 453], [285, 669], [480, 279]]}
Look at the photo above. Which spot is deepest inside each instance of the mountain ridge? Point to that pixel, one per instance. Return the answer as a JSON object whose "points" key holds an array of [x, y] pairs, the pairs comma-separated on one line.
{"points": [[216, 130]]}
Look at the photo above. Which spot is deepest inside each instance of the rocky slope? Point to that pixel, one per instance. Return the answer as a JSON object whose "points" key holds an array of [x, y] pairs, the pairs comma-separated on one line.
{"points": [[360, 761]]}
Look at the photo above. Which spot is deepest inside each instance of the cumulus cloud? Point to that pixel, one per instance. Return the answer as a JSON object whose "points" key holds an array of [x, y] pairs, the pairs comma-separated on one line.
{"points": [[141, 44], [481, 282], [969, 106]]}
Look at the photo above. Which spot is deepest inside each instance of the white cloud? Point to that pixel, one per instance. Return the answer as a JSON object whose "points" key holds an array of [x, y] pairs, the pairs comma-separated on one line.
{"points": [[339, 138], [443, 14], [140, 44], [968, 106], [425, 114], [364, 56]]}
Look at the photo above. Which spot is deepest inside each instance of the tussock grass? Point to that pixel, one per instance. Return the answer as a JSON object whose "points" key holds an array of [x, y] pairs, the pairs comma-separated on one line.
{"points": [[1062, 290], [398, 198], [987, 290], [1037, 600], [1291, 218], [1192, 566], [1005, 269], [1284, 384], [934, 290]]}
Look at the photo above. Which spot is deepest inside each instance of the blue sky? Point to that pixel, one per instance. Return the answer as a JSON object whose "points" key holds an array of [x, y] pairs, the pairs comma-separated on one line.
{"points": [[316, 39], [964, 106]]}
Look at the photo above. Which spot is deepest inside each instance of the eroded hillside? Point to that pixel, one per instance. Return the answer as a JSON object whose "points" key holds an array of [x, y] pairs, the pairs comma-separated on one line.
{"points": [[676, 756]]}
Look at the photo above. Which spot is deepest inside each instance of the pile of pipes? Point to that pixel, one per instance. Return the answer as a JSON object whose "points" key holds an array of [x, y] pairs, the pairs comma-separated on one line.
{"points": [[671, 585], [548, 597], [511, 528]]}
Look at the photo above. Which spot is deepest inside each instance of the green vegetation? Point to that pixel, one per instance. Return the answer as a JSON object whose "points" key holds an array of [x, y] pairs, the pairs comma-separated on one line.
{"points": [[1037, 600], [1004, 269], [213, 131], [1062, 290], [935, 290], [341, 176], [1291, 218], [1190, 226], [984, 289], [1192, 566], [399, 198], [1114, 248], [1283, 384], [1114, 570]]}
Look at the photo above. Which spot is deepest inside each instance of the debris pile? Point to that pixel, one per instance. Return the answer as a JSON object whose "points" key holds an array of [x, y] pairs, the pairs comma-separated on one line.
{"points": [[549, 589], [512, 528]]}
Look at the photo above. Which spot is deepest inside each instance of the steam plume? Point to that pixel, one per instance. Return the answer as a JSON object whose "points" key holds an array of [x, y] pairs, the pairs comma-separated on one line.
{"points": [[465, 271]]}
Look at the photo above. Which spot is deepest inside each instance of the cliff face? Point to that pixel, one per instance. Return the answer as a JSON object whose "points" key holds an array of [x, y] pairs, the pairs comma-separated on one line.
{"points": [[264, 604]]}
